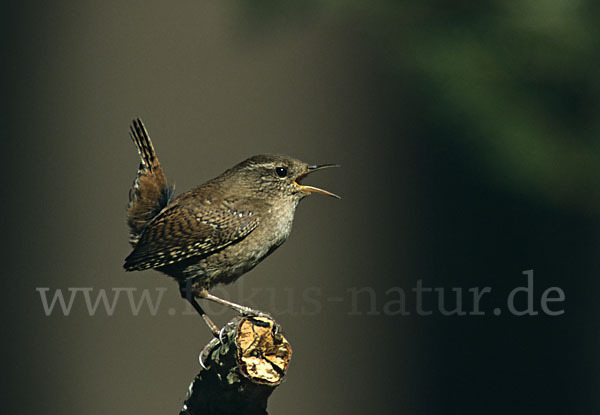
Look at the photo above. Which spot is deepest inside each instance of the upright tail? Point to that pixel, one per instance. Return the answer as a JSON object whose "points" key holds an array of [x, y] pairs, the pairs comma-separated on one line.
{"points": [[150, 192]]}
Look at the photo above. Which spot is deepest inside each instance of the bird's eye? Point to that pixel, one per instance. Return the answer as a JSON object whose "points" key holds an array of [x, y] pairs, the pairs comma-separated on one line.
{"points": [[281, 171]]}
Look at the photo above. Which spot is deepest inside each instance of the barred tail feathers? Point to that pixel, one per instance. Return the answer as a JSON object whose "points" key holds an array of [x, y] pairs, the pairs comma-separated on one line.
{"points": [[150, 192]]}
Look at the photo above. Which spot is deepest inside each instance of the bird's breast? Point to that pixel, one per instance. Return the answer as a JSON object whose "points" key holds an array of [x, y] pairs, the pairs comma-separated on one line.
{"points": [[228, 264]]}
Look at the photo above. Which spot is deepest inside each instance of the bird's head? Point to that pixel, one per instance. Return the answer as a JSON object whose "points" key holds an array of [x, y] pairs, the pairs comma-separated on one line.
{"points": [[279, 176]]}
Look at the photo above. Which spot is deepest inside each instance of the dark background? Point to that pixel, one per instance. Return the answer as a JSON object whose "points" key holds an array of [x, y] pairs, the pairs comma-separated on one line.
{"points": [[468, 136]]}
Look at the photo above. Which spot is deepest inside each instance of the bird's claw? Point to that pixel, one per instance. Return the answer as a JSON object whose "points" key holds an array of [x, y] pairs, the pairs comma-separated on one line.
{"points": [[205, 353], [221, 334]]}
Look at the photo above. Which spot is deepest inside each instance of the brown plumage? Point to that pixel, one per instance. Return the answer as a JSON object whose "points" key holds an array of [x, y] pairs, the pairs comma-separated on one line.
{"points": [[185, 230], [219, 230], [150, 192]]}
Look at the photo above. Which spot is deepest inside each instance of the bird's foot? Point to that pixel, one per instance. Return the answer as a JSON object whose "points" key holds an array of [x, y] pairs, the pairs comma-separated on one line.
{"points": [[253, 314], [250, 312]]}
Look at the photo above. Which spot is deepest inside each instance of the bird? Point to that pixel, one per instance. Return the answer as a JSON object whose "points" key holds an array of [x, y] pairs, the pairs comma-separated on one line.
{"points": [[217, 231]]}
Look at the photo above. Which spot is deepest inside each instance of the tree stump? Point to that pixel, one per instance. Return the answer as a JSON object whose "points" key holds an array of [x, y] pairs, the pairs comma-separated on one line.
{"points": [[241, 369]]}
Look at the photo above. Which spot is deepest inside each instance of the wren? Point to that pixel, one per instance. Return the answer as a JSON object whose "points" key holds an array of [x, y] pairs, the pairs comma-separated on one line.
{"points": [[217, 231]]}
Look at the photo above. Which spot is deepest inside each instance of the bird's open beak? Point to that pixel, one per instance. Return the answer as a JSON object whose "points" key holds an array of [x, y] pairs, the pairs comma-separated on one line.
{"points": [[312, 169]]}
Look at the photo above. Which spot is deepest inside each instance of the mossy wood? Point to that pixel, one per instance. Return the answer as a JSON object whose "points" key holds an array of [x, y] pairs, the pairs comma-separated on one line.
{"points": [[242, 369]]}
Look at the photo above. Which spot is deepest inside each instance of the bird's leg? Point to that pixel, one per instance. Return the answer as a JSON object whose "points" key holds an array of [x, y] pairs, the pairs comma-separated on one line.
{"points": [[211, 325], [187, 293], [246, 311]]}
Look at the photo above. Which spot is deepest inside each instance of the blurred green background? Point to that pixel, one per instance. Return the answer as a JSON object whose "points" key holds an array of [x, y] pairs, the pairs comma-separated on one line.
{"points": [[468, 135]]}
